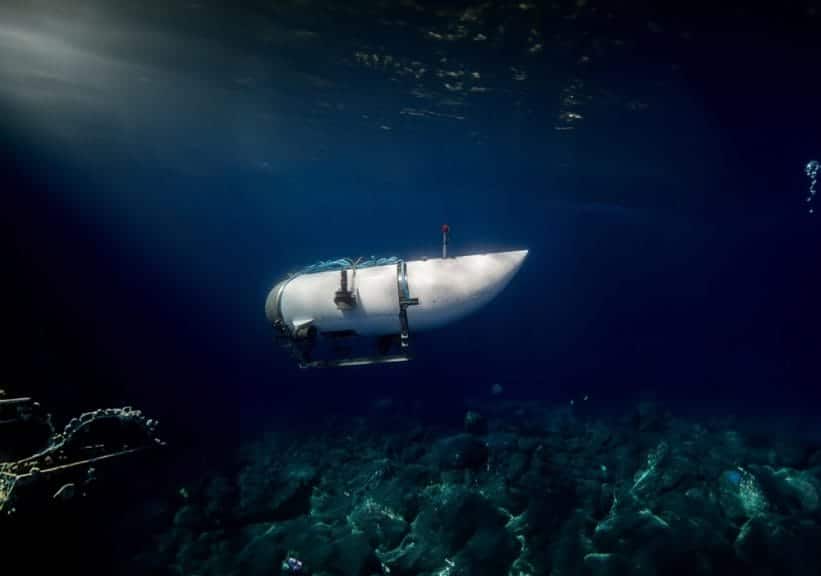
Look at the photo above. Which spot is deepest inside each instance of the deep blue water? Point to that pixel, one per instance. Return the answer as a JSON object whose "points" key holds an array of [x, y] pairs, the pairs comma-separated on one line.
{"points": [[162, 168]]}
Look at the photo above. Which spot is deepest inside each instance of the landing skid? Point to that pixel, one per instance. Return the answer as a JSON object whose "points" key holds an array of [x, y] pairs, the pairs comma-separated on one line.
{"points": [[361, 361]]}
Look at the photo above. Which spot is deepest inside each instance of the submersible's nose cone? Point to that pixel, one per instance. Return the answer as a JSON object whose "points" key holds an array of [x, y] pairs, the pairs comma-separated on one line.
{"points": [[272, 303]]}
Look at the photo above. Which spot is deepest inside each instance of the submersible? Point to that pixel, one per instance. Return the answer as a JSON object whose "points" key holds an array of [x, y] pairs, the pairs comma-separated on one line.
{"points": [[340, 303]]}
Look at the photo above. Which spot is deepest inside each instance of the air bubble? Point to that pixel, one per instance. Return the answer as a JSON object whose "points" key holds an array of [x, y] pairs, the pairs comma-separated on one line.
{"points": [[811, 170]]}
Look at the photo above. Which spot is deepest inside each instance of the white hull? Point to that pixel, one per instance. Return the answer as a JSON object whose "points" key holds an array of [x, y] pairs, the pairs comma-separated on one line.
{"points": [[447, 289]]}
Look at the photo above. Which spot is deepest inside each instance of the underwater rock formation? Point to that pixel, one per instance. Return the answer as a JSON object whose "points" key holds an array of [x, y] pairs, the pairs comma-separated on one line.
{"points": [[536, 492]]}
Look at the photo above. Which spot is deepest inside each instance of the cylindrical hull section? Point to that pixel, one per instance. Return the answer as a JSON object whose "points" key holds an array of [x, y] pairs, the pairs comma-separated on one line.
{"points": [[310, 297], [447, 289]]}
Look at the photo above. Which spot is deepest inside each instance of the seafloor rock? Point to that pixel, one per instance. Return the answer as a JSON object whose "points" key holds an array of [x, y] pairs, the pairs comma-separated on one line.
{"points": [[271, 495], [740, 495], [459, 452], [542, 492], [475, 423], [458, 531], [790, 491], [775, 545], [320, 548], [188, 517], [639, 535], [262, 547], [219, 495], [606, 564], [649, 417], [380, 524]]}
